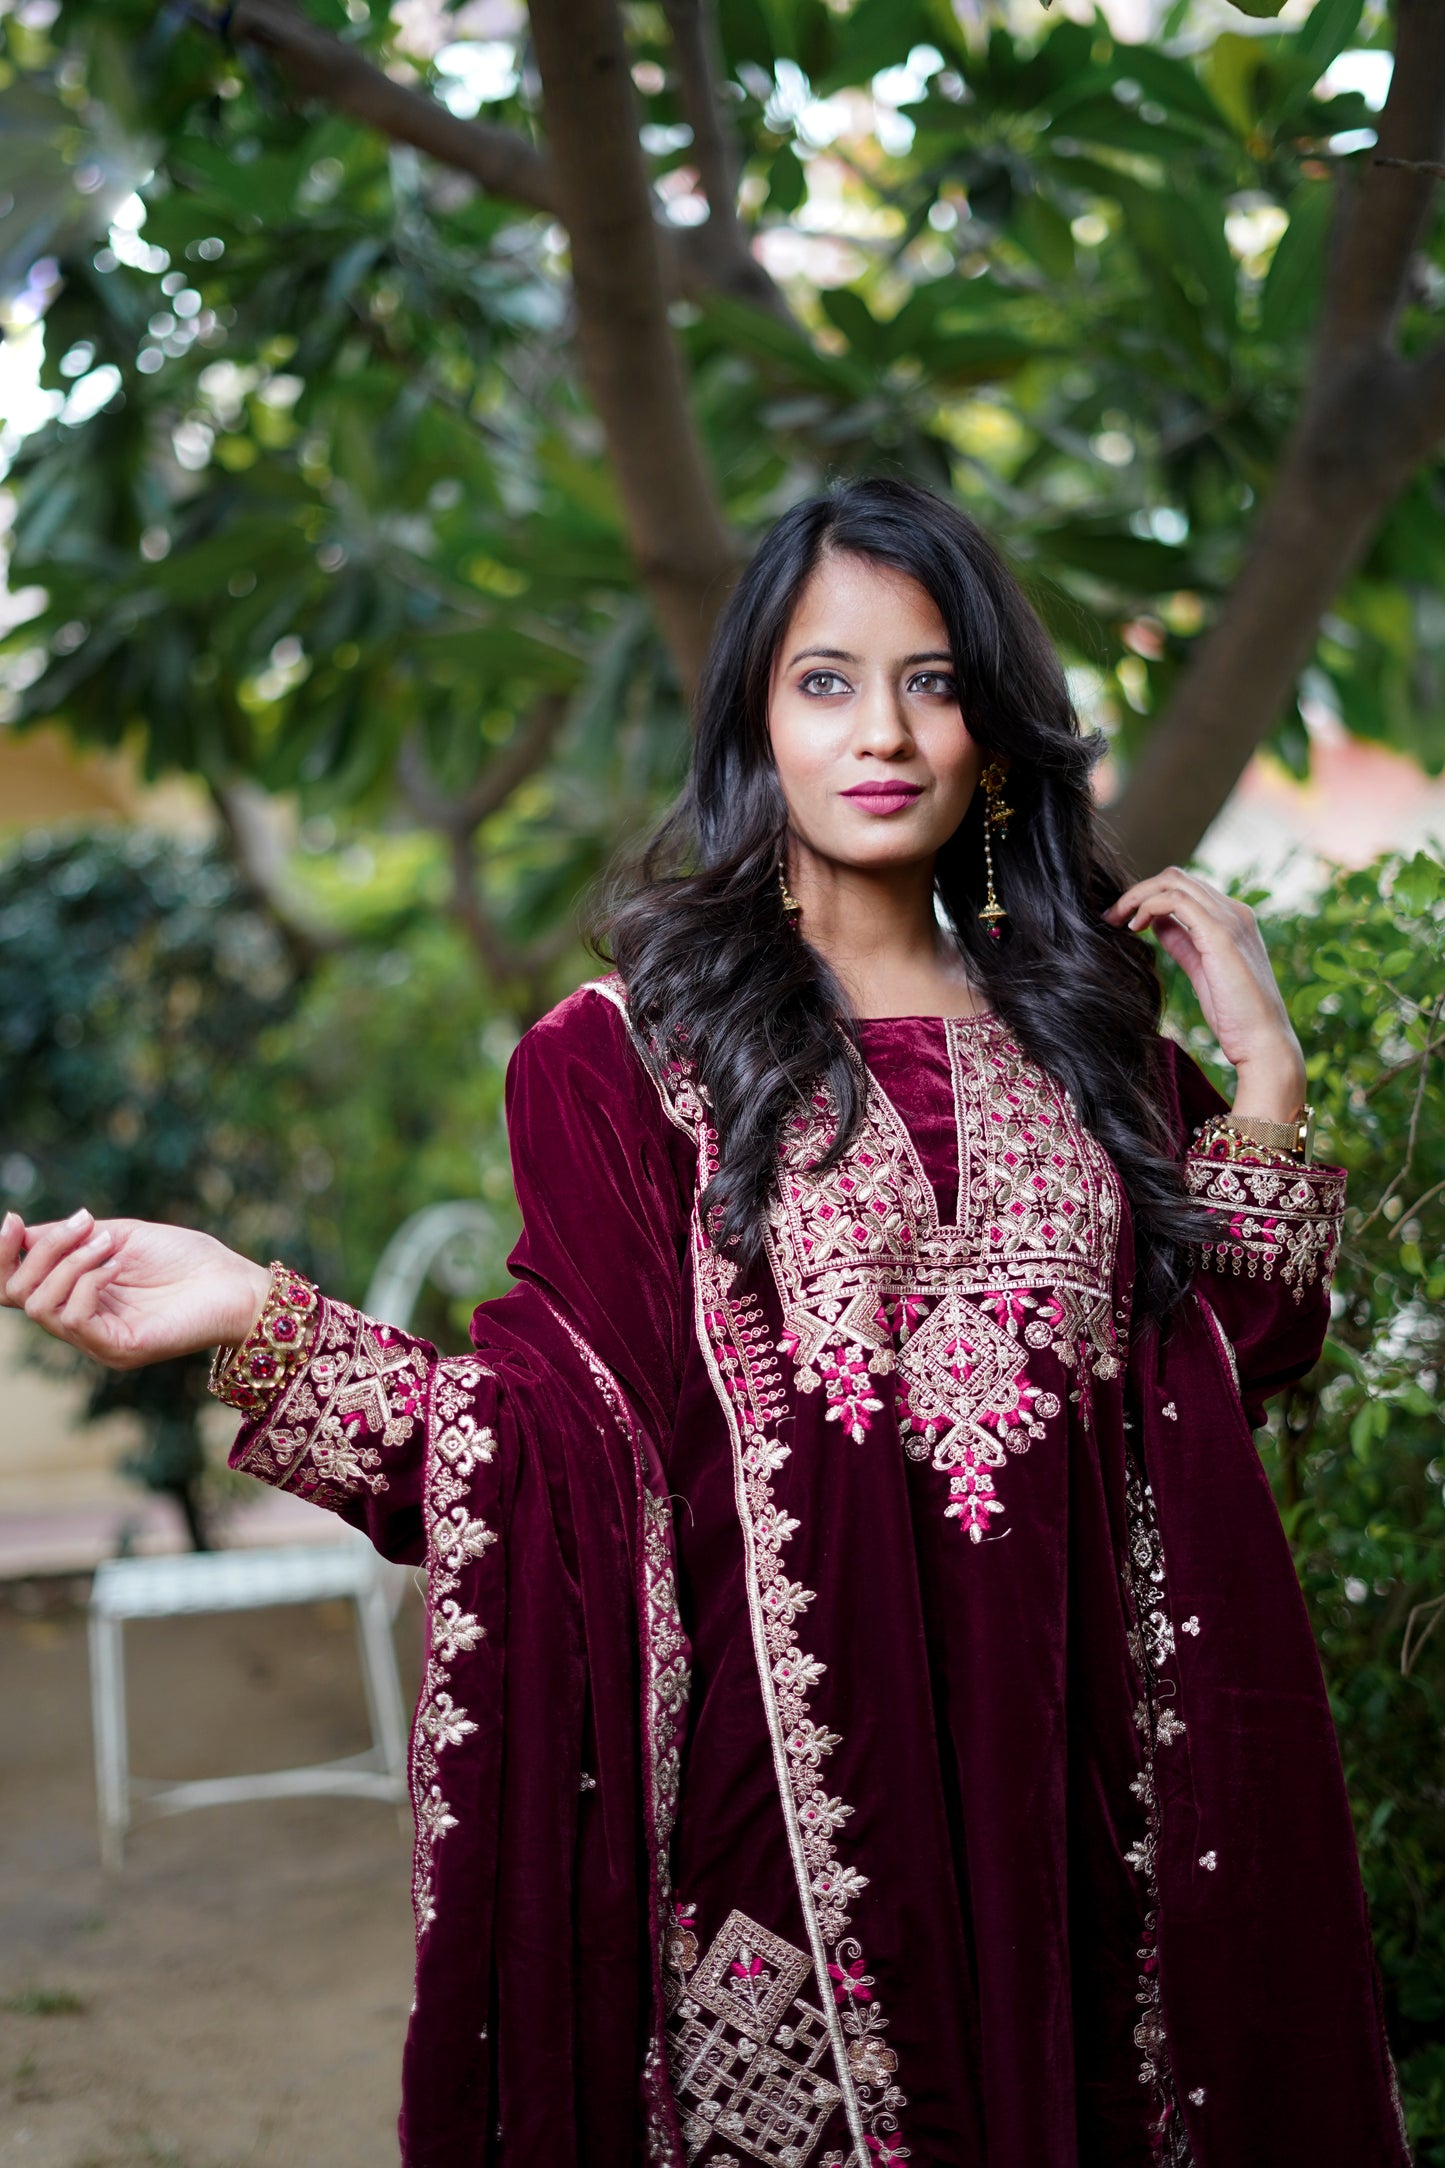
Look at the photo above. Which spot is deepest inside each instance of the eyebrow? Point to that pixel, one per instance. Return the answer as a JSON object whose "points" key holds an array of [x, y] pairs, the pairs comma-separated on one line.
{"points": [[841, 654]]}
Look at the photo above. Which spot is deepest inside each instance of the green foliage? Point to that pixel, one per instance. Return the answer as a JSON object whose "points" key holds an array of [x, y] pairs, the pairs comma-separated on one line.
{"points": [[1357, 1451], [346, 487], [161, 1057]]}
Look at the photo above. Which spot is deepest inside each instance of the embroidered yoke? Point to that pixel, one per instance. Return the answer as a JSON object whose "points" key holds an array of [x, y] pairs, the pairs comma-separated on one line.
{"points": [[869, 1714]]}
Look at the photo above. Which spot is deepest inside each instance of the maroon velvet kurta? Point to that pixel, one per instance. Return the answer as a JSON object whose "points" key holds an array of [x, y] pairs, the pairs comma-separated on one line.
{"points": [[870, 1713]]}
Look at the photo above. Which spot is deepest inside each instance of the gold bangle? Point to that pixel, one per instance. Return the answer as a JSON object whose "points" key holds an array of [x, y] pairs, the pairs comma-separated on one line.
{"points": [[251, 1372], [1239, 1134]]}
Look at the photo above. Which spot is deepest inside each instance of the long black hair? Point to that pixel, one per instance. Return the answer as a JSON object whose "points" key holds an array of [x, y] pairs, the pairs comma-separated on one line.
{"points": [[715, 972]]}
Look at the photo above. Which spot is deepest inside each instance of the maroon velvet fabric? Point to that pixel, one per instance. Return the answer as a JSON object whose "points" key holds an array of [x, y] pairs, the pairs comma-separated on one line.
{"points": [[1002, 1822]]}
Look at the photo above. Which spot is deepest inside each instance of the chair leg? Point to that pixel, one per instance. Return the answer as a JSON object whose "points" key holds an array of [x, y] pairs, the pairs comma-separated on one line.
{"points": [[112, 1759], [382, 1681]]}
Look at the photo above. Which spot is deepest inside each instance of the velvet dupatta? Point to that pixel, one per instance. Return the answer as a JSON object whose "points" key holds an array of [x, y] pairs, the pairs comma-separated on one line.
{"points": [[869, 1711]]}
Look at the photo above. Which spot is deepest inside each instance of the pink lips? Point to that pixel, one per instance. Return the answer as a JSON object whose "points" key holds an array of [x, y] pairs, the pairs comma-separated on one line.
{"points": [[883, 798]]}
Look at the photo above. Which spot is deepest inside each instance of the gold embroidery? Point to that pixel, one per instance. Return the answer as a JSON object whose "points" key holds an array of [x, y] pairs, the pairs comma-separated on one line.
{"points": [[871, 1283], [363, 1394], [456, 1539], [666, 1659], [1280, 1217], [732, 1334], [1151, 1644], [748, 2053]]}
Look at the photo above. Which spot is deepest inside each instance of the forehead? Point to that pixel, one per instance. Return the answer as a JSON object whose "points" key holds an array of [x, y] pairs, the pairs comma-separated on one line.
{"points": [[857, 603]]}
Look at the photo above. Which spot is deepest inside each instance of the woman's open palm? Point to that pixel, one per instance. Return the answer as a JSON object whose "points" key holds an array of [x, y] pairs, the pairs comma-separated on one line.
{"points": [[128, 1291]]}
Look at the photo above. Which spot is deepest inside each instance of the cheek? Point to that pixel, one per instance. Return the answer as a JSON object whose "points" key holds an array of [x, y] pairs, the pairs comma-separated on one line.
{"points": [[800, 754], [955, 760]]}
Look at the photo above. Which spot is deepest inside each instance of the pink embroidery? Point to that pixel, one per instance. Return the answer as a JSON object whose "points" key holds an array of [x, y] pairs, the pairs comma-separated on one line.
{"points": [[846, 1381], [1277, 1217], [873, 1286], [852, 1984]]}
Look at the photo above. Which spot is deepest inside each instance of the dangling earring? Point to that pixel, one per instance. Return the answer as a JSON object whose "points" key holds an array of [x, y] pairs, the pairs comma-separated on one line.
{"points": [[792, 909], [996, 817]]}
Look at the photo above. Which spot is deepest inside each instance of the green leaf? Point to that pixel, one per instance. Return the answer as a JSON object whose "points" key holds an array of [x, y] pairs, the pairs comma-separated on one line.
{"points": [[1111, 553], [1260, 7], [263, 188], [744, 33], [787, 182], [1295, 281], [1045, 234], [877, 34], [848, 312], [1325, 32], [756, 331]]}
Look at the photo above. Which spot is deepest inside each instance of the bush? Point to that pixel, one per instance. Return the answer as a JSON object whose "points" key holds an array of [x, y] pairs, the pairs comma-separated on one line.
{"points": [[1356, 1452], [163, 1056]]}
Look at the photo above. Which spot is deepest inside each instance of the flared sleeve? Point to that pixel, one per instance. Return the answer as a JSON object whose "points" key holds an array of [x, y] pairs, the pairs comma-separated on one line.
{"points": [[526, 1477], [1265, 1273]]}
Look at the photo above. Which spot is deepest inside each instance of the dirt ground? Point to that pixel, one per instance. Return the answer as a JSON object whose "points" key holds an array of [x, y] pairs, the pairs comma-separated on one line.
{"points": [[237, 1996]]}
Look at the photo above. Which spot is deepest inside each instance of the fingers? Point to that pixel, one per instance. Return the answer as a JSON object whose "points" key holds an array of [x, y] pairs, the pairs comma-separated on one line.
{"points": [[47, 1303], [1195, 904], [44, 1247], [12, 1242], [78, 1314]]}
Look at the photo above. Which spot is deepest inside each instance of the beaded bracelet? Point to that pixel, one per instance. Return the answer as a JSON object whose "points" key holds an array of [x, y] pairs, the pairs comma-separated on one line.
{"points": [[251, 1372]]}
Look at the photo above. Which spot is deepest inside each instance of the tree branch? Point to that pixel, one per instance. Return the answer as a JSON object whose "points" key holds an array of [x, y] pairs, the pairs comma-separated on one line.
{"points": [[509, 767], [633, 372], [1366, 421], [457, 819], [1385, 221], [720, 248], [325, 67], [500, 160], [249, 817]]}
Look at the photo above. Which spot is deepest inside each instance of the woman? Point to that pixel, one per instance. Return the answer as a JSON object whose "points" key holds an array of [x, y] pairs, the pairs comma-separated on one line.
{"points": [[869, 1711]]}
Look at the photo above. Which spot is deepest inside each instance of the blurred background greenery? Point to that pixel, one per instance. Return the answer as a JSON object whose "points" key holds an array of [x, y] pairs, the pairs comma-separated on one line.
{"points": [[384, 415]]}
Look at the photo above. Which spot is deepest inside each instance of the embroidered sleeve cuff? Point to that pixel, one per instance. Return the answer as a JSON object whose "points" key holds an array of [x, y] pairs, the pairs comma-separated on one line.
{"points": [[1277, 1218], [330, 1425]]}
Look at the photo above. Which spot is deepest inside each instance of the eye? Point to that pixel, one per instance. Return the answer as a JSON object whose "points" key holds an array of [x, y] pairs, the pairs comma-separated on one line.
{"points": [[822, 684], [934, 684]]}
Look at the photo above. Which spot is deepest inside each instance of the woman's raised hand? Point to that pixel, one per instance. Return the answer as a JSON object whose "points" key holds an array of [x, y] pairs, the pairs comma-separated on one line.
{"points": [[127, 1291], [1217, 941]]}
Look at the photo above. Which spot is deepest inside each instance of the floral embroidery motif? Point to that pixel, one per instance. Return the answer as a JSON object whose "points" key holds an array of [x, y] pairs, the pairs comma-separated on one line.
{"points": [[357, 1397], [1280, 1217], [747, 2051], [872, 1284], [1151, 1644], [962, 1392], [456, 1540], [667, 1675], [361, 1394], [733, 1332]]}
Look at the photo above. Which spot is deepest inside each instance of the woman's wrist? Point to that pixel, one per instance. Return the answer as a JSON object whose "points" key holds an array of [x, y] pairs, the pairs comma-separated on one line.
{"points": [[1271, 1088], [251, 1298]]}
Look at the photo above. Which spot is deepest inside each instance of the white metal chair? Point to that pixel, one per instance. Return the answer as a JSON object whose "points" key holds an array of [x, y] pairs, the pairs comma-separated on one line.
{"points": [[136, 1588], [445, 1242]]}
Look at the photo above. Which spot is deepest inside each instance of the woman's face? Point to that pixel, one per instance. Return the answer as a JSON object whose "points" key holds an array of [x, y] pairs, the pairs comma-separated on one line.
{"points": [[873, 754]]}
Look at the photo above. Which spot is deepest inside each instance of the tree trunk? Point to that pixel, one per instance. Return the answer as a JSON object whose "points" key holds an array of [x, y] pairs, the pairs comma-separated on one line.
{"points": [[1368, 419], [1338, 479], [684, 553]]}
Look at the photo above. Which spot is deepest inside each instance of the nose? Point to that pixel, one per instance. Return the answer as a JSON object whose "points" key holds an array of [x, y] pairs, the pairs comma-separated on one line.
{"points": [[882, 726]]}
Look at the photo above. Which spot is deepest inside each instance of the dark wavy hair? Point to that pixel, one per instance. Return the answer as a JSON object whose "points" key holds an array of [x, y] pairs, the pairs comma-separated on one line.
{"points": [[715, 971]]}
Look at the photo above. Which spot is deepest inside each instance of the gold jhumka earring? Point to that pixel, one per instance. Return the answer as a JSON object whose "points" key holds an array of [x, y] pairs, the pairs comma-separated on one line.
{"points": [[792, 909], [997, 814]]}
